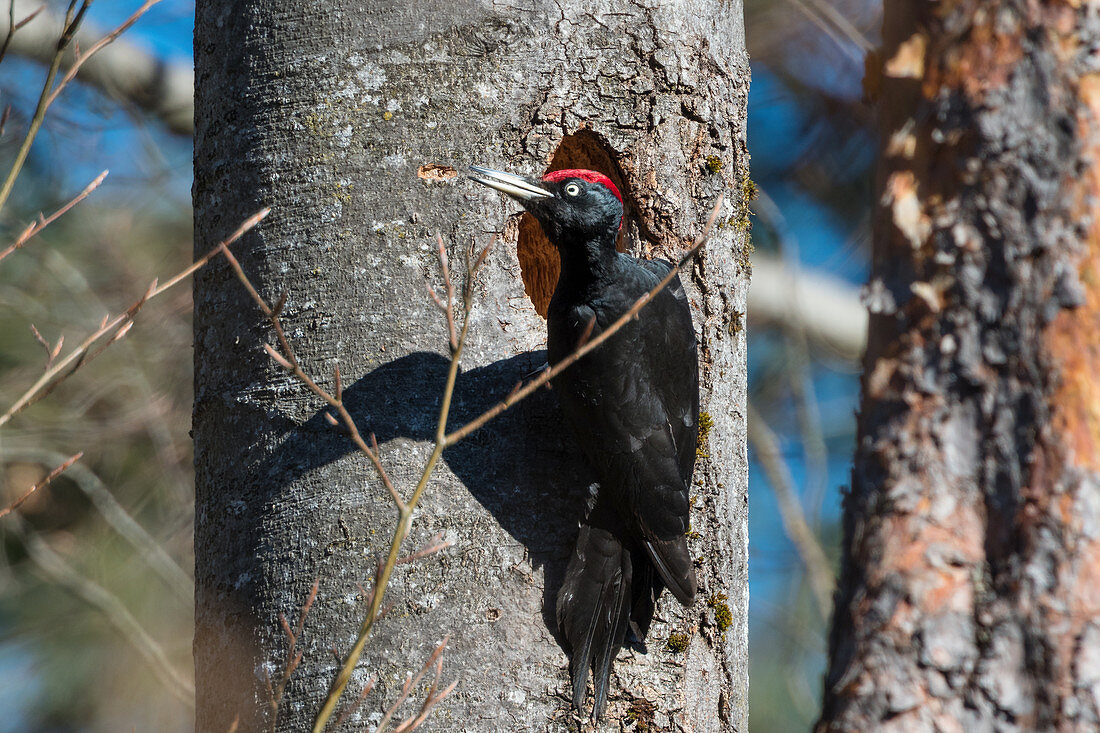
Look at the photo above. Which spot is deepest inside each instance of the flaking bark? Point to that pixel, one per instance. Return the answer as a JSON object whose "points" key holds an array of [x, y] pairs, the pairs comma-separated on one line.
{"points": [[349, 122], [968, 596]]}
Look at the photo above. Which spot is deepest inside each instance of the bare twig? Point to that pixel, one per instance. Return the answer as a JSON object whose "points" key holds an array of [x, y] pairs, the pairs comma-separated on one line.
{"points": [[835, 25], [818, 569], [160, 87], [51, 351], [825, 308], [13, 26], [287, 359], [40, 485], [430, 700], [350, 711], [54, 567], [274, 354], [448, 307], [434, 660], [404, 523], [147, 547], [82, 58], [41, 224], [73, 18], [432, 546], [293, 656], [50, 92], [799, 370], [112, 329]]}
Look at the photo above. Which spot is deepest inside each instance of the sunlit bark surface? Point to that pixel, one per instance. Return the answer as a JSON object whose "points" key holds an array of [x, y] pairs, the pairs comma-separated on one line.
{"points": [[353, 120]]}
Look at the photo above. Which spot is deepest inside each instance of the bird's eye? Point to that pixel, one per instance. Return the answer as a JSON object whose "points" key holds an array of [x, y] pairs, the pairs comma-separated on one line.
{"points": [[572, 190]]}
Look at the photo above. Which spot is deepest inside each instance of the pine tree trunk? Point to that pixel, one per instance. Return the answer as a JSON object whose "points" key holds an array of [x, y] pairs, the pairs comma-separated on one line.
{"points": [[350, 123], [968, 598]]}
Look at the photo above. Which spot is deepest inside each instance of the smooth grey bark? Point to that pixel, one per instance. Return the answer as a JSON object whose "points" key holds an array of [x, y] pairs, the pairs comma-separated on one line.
{"points": [[327, 112]]}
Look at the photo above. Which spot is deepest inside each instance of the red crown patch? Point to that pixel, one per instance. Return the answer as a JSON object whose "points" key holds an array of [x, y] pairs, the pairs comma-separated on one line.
{"points": [[584, 175]]}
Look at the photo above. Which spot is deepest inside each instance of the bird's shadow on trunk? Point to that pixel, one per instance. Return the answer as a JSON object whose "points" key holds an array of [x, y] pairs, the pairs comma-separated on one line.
{"points": [[523, 467]]}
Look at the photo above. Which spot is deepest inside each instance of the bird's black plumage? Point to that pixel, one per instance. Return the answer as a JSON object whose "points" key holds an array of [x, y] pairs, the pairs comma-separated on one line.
{"points": [[634, 406]]}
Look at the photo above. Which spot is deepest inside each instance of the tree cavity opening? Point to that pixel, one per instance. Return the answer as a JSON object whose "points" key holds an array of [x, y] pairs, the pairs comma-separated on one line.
{"points": [[538, 259]]}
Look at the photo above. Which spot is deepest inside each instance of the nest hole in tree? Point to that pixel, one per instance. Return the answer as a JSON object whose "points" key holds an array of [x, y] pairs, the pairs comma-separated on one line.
{"points": [[538, 259]]}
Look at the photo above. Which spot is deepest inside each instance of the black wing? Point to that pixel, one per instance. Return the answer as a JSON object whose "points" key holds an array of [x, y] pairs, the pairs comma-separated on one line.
{"points": [[677, 355], [634, 404], [595, 601]]}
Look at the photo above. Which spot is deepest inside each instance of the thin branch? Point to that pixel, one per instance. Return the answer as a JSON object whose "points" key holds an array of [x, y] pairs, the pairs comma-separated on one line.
{"points": [[799, 371], [351, 709], [54, 567], [432, 546], [434, 660], [281, 361], [449, 308], [430, 701], [404, 523], [40, 485], [51, 351], [835, 25], [144, 544], [125, 71], [72, 22], [112, 329], [289, 360], [820, 572], [293, 656], [41, 224], [82, 58], [13, 26], [824, 307]]}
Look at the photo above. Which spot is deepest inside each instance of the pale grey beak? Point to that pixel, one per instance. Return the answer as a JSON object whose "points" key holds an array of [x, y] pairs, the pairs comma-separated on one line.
{"points": [[515, 186]]}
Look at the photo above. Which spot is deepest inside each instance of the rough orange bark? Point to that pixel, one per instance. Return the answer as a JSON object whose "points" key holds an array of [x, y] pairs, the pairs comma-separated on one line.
{"points": [[970, 588]]}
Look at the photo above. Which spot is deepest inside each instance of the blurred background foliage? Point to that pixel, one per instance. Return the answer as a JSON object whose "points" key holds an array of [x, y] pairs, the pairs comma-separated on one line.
{"points": [[69, 662]]}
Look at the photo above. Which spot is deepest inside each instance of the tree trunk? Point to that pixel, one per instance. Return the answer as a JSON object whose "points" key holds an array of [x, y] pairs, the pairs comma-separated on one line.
{"points": [[968, 598], [350, 123]]}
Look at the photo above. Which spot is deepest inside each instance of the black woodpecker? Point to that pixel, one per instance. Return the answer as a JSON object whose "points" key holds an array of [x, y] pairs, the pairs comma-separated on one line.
{"points": [[634, 406]]}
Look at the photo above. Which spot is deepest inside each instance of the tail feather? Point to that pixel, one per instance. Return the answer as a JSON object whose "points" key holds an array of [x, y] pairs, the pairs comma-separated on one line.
{"points": [[594, 610], [611, 587], [609, 643], [646, 588], [598, 599]]}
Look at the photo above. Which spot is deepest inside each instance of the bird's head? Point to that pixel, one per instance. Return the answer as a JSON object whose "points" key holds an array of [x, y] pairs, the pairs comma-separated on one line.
{"points": [[573, 205]]}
